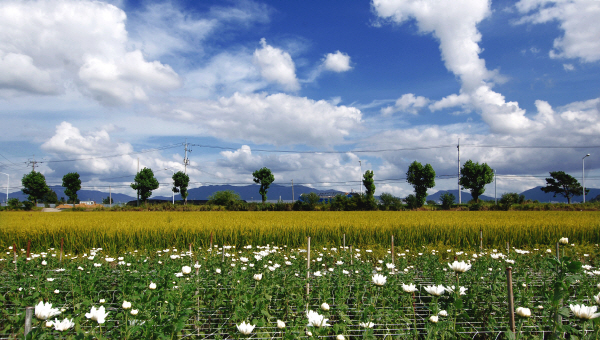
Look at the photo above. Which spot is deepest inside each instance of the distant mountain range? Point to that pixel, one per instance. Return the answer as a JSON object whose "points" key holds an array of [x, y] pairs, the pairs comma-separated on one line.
{"points": [[276, 191]]}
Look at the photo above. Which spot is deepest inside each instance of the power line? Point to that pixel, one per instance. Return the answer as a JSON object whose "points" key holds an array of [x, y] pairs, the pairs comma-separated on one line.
{"points": [[325, 151]]}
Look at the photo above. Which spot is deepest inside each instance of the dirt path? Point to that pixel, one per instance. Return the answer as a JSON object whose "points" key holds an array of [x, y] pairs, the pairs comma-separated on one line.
{"points": [[50, 210]]}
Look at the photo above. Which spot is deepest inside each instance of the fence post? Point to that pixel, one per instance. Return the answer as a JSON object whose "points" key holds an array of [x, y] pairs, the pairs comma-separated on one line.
{"points": [[511, 306], [28, 318], [480, 239], [307, 271], [351, 255], [344, 242], [62, 241], [15, 254], [393, 262], [211, 243], [223, 253], [28, 248]]}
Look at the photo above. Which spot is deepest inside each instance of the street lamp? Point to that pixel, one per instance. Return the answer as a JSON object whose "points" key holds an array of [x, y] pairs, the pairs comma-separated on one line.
{"points": [[583, 174], [8, 180], [173, 184]]}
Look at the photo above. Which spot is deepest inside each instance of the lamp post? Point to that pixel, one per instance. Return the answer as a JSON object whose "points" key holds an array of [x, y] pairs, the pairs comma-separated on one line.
{"points": [[7, 182], [583, 174], [173, 184]]}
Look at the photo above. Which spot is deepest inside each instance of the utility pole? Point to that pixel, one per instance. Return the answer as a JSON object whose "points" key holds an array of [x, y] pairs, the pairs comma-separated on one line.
{"points": [[360, 177], [33, 163], [495, 188], [186, 161], [293, 197], [458, 148], [109, 197]]}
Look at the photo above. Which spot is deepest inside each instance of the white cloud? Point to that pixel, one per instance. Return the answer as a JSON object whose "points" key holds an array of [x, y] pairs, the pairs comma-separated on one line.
{"points": [[568, 67], [407, 103], [56, 43], [274, 119], [454, 24], [276, 66], [337, 62], [578, 19]]}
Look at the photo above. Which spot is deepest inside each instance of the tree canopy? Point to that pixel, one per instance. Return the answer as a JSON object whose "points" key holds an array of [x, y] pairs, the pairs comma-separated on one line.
{"points": [[264, 177], [369, 183], [563, 184], [224, 198], [180, 184], [145, 183], [475, 176], [34, 185], [422, 178], [72, 183]]}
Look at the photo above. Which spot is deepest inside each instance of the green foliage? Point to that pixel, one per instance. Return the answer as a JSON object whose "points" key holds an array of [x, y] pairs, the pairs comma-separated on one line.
{"points": [[563, 184], [72, 184], [14, 203], [369, 202], [34, 185], [421, 178], [475, 176], [264, 177], [339, 203], [389, 202], [447, 200], [50, 197], [308, 201], [226, 198], [510, 198], [145, 183], [108, 200], [180, 184], [412, 202]]}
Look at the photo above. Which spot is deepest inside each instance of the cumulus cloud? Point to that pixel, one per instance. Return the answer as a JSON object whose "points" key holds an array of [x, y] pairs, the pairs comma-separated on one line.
{"points": [[337, 62], [578, 19], [454, 24], [276, 66], [408, 103], [278, 119], [57, 42]]}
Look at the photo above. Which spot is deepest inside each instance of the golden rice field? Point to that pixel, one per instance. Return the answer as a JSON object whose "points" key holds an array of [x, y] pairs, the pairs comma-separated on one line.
{"points": [[118, 231]]}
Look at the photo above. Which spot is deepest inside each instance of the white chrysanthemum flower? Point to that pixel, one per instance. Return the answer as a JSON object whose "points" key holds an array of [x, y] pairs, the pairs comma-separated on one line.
{"points": [[366, 324], [316, 320], [564, 240], [44, 311], [379, 280], [523, 312], [584, 312], [443, 313], [459, 267], [126, 304], [410, 288], [435, 290], [245, 328], [462, 290], [152, 285], [258, 277], [324, 306], [186, 270], [280, 324], [97, 314], [434, 318], [63, 325]]}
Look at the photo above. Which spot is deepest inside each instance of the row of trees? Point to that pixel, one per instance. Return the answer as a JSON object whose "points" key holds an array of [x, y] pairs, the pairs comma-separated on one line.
{"points": [[474, 177]]}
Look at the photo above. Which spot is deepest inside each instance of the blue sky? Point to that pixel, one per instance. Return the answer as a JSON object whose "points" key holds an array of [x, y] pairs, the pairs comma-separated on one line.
{"points": [[85, 80]]}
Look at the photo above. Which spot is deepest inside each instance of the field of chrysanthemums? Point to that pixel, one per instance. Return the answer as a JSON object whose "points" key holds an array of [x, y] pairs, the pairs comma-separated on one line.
{"points": [[158, 276]]}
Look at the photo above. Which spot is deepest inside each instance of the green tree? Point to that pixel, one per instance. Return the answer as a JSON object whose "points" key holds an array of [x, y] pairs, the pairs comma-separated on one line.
{"points": [[309, 201], [72, 184], [475, 176], [14, 203], [563, 184], [422, 178], [369, 183], [34, 185], [390, 202], [50, 197], [265, 178], [224, 198], [510, 198], [180, 184], [108, 200], [145, 183], [447, 200]]}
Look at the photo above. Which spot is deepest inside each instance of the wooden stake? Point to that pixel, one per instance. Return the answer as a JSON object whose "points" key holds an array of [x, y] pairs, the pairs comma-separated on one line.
{"points": [[393, 252], [28, 248], [211, 242], [344, 242], [480, 239], [15, 253], [351, 255], [307, 269], [28, 318], [62, 241], [511, 306]]}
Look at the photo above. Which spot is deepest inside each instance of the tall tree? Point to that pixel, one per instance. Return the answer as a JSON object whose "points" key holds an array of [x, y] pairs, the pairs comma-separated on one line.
{"points": [[421, 178], [475, 176], [72, 184], [264, 177], [563, 184], [34, 185], [369, 183], [145, 183], [180, 184]]}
